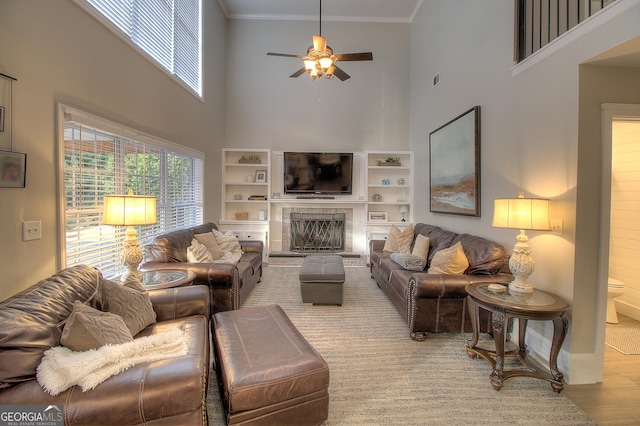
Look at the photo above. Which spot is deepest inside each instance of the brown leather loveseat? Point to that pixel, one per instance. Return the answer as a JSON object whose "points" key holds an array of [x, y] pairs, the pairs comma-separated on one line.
{"points": [[171, 391], [436, 303], [229, 284]]}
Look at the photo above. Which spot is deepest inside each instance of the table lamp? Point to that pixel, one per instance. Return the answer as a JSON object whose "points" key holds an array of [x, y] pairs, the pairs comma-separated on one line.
{"points": [[130, 210], [523, 214]]}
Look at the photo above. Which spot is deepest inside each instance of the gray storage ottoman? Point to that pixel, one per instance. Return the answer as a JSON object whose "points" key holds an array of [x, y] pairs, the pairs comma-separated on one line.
{"points": [[321, 279]]}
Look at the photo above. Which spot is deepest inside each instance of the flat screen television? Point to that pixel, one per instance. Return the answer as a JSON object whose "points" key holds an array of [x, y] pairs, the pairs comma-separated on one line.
{"points": [[318, 173]]}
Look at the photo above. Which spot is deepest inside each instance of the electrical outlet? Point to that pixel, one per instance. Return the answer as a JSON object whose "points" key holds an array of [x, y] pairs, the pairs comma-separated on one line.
{"points": [[31, 230], [557, 226]]}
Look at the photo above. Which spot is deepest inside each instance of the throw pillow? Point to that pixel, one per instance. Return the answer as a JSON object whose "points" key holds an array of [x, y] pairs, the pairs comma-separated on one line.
{"points": [[198, 253], [399, 241], [131, 301], [449, 261], [88, 328], [226, 241], [230, 247], [210, 242], [421, 248]]}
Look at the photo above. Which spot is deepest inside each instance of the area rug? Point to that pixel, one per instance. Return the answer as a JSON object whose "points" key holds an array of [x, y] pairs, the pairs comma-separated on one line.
{"points": [[624, 340], [379, 376]]}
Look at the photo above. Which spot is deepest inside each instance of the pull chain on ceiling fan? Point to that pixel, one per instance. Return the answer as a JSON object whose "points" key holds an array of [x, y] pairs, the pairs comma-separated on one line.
{"points": [[320, 59]]}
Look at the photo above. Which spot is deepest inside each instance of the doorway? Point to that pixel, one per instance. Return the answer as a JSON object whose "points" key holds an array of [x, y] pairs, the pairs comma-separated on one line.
{"points": [[620, 206]]}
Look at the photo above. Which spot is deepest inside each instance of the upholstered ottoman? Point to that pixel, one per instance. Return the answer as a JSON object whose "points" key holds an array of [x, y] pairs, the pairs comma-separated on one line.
{"points": [[321, 278], [267, 371]]}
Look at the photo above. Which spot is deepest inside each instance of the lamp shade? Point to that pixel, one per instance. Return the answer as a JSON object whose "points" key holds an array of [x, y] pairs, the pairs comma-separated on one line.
{"points": [[404, 209], [521, 213], [129, 210]]}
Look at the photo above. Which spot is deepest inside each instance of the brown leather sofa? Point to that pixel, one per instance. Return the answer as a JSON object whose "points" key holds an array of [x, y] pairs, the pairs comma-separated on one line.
{"points": [[167, 392], [229, 284], [436, 303]]}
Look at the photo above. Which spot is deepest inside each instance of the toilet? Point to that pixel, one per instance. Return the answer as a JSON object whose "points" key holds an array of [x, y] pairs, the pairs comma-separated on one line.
{"points": [[615, 289]]}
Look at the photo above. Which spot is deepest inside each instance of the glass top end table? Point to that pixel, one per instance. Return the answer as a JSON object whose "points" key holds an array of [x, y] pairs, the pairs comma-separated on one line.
{"points": [[166, 278], [505, 306]]}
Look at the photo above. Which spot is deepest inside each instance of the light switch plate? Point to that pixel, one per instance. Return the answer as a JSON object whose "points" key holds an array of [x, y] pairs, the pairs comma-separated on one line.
{"points": [[31, 230], [557, 226]]}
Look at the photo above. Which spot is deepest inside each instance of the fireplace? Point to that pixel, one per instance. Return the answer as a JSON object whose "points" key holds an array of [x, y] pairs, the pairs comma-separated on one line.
{"points": [[317, 232], [309, 230]]}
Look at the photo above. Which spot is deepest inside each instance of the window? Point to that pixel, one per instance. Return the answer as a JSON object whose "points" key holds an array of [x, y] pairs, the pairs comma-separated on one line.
{"points": [[99, 158], [169, 31]]}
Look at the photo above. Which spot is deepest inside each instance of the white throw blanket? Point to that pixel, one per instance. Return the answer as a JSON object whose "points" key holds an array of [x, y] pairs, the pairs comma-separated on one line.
{"points": [[62, 368]]}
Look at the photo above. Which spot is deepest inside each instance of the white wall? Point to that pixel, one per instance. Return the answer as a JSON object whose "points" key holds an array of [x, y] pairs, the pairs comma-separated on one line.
{"points": [[530, 139], [59, 53], [267, 109]]}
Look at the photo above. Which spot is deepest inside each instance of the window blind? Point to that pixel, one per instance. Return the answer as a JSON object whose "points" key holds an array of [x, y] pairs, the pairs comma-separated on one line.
{"points": [[97, 160], [169, 31]]}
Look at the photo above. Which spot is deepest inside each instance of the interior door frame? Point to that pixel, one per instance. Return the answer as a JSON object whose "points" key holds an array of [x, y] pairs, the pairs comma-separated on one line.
{"points": [[610, 112]]}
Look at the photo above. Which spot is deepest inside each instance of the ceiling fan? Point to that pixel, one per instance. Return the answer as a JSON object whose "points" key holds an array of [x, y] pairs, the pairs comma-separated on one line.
{"points": [[320, 59]]}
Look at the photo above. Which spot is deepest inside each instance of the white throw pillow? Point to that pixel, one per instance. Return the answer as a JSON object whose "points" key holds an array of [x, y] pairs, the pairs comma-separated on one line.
{"points": [[209, 240], [198, 253], [399, 241], [421, 248], [230, 248], [449, 261]]}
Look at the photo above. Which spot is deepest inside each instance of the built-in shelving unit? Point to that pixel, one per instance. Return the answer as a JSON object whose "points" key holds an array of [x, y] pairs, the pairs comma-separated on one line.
{"points": [[389, 190], [246, 185], [246, 188], [389, 187]]}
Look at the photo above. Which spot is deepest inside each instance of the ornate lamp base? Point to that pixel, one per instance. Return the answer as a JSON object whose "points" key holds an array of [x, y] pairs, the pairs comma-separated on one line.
{"points": [[131, 257], [521, 265]]}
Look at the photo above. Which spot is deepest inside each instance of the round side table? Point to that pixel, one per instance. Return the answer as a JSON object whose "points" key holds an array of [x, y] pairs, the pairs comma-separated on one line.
{"points": [[166, 278], [504, 306]]}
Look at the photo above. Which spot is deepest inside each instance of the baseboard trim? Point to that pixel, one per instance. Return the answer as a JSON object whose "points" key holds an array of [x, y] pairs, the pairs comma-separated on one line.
{"points": [[578, 369], [628, 309]]}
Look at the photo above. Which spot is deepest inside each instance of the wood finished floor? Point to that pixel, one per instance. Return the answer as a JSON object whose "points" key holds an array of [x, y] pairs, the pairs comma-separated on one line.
{"points": [[615, 401]]}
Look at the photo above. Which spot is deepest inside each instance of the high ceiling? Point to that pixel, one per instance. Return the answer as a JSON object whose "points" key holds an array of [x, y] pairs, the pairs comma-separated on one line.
{"points": [[397, 11]]}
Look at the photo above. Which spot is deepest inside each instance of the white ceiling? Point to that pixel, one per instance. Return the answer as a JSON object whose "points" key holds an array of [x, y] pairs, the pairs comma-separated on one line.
{"points": [[395, 11]]}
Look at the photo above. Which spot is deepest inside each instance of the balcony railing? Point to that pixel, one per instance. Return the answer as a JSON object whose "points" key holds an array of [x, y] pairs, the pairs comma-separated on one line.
{"points": [[539, 22]]}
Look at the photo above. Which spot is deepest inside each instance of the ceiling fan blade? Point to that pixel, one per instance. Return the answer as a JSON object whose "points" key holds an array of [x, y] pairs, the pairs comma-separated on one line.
{"points": [[319, 43], [337, 72], [298, 73], [288, 55], [364, 56]]}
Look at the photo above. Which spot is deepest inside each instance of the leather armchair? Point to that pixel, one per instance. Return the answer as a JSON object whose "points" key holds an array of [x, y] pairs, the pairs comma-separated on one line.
{"points": [[143, 394]]}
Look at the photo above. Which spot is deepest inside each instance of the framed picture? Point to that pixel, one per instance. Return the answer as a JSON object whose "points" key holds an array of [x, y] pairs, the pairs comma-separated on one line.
{"points": [[5, 112], [454, 166], [261, 176], [13, 167], [377, 217]]}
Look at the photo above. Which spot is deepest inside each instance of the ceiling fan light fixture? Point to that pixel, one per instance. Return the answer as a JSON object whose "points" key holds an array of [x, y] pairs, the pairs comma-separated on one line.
{"points": [[320, 59], [325, 63], [329, 72]]}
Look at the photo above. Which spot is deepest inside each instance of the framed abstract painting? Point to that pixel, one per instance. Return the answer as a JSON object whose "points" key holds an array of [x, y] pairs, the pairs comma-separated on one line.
{"points": [[454, 166]]}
